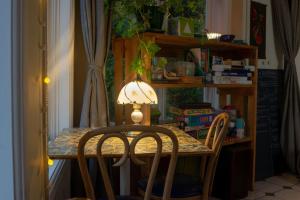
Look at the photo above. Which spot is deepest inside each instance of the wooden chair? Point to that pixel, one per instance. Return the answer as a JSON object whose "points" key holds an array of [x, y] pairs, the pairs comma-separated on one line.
{"points": [[186, 187], [119, 132]]}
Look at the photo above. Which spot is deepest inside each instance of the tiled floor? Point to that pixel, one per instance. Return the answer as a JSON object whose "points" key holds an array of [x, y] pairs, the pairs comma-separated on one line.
{"points": [[283, 187]]}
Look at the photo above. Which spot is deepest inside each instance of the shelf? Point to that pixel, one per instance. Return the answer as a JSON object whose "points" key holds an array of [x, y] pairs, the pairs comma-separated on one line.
{"points": [[243, 96], [197, 85], [189, 42]]}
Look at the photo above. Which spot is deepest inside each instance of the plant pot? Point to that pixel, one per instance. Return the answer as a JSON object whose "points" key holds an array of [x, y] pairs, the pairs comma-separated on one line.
{"points": [[156, 18]]}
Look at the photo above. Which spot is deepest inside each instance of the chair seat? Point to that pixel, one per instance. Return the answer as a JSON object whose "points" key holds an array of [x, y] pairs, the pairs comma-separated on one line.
{"points": [[183, 186]]}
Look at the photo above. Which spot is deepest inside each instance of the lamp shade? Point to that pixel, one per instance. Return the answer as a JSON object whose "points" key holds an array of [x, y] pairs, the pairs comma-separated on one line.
{"points": [[137, 92]]}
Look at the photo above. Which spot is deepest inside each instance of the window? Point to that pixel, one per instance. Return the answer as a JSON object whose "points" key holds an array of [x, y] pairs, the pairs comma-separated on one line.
{"points": [[60, 47]]}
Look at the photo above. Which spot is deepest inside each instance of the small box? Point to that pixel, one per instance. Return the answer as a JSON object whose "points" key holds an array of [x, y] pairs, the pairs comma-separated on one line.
{"points": [[181, 26]]}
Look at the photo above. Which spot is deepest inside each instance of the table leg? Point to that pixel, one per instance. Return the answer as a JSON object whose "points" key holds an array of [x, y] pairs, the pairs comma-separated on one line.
{"points": [[125, 178]]}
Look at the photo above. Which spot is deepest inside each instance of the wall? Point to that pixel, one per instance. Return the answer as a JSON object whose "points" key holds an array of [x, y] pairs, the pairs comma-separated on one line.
{"points": [[272, 60], [6, 148]]}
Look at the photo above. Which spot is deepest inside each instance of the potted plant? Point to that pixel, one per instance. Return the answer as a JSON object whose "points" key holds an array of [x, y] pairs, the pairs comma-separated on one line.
{"points": [[126, 23]]}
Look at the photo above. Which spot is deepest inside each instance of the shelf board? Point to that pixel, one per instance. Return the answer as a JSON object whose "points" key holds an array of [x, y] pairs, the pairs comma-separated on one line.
{"points": [[236, 141], [189, 42], [175, 85], [232, 141], [230, 85], [195, 85]]}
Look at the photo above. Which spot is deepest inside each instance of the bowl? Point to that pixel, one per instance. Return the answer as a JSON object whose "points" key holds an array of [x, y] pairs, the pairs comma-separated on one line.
{"points": [[213, 36], [227, 38]]}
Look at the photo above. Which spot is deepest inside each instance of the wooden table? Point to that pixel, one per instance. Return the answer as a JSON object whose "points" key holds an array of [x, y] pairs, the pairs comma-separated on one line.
{"points": [[65, 147]]}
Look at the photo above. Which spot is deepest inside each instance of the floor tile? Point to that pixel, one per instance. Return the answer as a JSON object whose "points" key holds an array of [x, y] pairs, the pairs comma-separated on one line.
{"points": [[264, 186], [281, 181], [269, 198], [291, 178], [297, 187], [254, 195], [288, 195]]}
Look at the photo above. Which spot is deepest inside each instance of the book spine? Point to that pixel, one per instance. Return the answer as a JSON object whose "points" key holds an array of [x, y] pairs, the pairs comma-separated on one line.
{"points": [[243, 74], [231, 80], [197, 111], [220, 68], [194, 128], [187, 112]]}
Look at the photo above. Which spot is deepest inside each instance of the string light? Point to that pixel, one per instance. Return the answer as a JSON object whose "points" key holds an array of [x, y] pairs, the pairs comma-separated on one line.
{"points": [[50, 162], [47, 80]]}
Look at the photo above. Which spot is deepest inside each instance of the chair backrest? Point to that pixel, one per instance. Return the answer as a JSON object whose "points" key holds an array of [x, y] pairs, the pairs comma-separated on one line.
{"points": [[217, 132], [214, 140], [129, 151]]}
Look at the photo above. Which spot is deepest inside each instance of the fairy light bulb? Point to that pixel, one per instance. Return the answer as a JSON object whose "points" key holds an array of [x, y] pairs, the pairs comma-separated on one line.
{"points": [[47, 80], [50, 162]]}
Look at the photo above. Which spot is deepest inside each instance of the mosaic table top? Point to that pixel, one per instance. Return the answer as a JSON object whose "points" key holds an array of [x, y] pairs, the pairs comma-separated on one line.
{"points": [[65, 145]]}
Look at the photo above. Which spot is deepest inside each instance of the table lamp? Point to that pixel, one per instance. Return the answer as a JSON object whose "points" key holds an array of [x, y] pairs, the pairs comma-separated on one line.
{"points": [[137, 93]]}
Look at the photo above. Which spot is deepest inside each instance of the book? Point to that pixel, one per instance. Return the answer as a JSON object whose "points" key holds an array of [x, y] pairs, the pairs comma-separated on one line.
{"points": [[250, 67], [220, 68], [234, 72], [180, 111], [195, 128], [233, 62], [231, 80], [196, 120]]}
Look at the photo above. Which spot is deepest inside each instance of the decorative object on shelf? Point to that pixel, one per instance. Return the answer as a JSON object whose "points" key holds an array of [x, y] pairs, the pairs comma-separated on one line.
{"points": [[155, 114], [258, 28], [158, 67], [137, 93], [181, 26], [170, 76], [227, 38], [182, 68], [213, 36], [197, 56], [240, 127]]}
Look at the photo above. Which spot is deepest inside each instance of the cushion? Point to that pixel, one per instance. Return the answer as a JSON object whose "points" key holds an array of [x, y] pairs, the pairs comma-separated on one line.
{"points": [[183, 186]]}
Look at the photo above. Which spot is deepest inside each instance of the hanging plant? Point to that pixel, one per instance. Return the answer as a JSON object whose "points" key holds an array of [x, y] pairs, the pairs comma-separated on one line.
{"points": [[139, 64], [130, 18]]}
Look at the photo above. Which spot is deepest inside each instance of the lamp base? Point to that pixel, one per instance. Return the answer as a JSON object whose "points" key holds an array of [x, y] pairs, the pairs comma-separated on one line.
{"points": [[137, 115], [132, 134]]}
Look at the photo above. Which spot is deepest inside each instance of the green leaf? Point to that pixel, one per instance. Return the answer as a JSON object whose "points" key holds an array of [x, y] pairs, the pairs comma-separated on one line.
{"points": [[150, 47], [138, 66]]}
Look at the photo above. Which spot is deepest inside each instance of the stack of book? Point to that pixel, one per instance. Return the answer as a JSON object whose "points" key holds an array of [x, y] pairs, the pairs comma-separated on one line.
{"points": [[194, 120], [234, 73]]}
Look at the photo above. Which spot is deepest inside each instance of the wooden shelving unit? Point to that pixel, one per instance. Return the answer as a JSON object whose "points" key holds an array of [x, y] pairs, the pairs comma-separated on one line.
{"points": [[243, 97]]}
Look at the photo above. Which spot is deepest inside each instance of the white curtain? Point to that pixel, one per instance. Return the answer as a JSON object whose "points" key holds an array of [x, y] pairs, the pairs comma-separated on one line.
{"points": [[60, 52], [218, 19]]}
